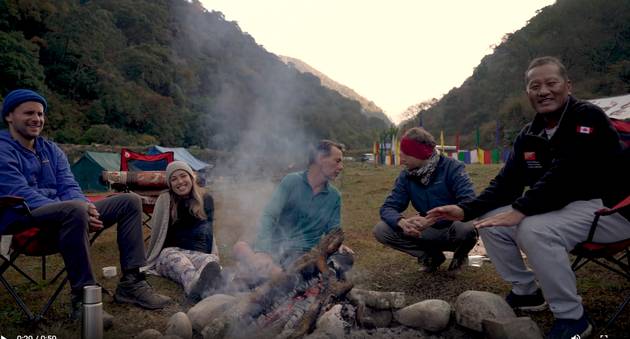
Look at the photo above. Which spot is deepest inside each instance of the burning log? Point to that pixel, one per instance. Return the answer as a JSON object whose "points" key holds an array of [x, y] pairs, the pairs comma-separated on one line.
{"points": [[239, 320], [335, 290]]}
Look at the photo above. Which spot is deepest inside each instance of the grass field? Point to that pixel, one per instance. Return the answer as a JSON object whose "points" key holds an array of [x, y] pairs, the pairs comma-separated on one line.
{"points": [[238, 205]]}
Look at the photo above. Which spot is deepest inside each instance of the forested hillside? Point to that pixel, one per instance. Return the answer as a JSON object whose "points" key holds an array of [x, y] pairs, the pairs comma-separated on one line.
{"points": [[592, 38], [164, 71]]}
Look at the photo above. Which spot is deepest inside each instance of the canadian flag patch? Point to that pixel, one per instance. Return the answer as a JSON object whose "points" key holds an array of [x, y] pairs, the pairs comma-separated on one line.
{"points": [[529, 155], [585, 130]]}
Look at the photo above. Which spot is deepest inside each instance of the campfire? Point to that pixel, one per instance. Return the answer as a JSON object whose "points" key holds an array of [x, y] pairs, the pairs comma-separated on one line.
{"points": [[309, 300], [289, 304]]}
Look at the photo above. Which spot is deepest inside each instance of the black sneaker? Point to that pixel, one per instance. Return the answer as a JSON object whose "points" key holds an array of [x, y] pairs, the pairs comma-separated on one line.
{"points": [[430, 264], [76, 312], [530, 302], [457, 263], [134, 289], [570, 328], [209, 280]]}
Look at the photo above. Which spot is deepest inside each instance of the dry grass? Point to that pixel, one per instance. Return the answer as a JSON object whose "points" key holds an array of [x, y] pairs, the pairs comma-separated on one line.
{"points": [[364, 188]]}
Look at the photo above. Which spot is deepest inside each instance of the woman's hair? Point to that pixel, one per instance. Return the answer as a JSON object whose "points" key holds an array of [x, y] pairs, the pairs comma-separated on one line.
{"points": [[195, 200]]}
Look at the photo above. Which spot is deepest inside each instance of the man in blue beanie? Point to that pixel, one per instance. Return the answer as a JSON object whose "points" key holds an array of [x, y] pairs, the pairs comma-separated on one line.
{"points": [[15, 98], [37, 170]]}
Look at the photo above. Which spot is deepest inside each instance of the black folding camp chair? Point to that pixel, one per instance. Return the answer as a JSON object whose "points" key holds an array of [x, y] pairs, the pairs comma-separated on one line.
{"points": [[29, 241]]}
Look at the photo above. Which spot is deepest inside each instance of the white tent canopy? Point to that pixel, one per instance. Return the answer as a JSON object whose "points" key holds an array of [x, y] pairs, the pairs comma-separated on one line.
{"points": [[181, 154], [615, 107]]}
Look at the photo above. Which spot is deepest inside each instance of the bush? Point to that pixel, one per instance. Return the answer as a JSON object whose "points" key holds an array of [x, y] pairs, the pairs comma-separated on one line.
{"points": [[103, 134]]}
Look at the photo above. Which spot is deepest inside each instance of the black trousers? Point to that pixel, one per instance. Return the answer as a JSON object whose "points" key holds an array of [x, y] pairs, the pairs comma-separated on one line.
{"points": [[66, 223]]}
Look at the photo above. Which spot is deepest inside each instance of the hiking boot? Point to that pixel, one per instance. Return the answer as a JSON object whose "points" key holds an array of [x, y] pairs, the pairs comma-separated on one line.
{"points": [[570, 328], [457, 263], [134, 289], [76, 312], [209, 280], [530, 302], [430, 264]]}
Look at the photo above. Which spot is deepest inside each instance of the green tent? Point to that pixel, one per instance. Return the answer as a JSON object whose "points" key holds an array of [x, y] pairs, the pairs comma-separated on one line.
{"points": [[87, 170]]}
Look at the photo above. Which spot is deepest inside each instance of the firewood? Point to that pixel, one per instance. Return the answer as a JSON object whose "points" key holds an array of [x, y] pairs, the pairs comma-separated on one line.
{"points": [[239, 318], [335, 289]]}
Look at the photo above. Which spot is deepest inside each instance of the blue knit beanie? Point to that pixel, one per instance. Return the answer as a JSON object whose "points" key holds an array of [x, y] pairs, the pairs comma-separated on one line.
{"points": [[19, 96]]}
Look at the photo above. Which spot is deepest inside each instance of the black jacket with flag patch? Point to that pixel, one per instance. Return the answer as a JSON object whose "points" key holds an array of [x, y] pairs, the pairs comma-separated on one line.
{"points": [[570, 166]]}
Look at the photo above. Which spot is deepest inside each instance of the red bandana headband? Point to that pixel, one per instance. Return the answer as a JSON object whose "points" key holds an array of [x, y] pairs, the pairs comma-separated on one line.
{"points": [[416, 149]]}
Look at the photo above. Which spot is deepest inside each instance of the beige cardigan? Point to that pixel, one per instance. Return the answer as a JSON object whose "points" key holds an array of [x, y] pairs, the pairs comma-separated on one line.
{"points": [[159, 228]]}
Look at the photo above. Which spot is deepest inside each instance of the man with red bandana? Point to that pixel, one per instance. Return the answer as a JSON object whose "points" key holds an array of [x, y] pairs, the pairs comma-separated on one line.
{"points": [[565, 156], [429, 180]]}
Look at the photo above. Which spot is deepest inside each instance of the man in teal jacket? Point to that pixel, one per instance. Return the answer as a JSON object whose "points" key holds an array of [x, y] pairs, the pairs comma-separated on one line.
{"points": [[37, 170], [304, 207]]}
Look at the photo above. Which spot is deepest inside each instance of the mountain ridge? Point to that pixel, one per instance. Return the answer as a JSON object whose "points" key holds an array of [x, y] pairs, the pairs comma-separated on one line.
{"points": [[592, 39], [181, 76], [369, 107]]}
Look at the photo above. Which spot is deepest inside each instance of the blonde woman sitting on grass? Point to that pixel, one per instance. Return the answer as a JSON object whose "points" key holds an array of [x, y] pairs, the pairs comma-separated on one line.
{"points": [[182, 246]]}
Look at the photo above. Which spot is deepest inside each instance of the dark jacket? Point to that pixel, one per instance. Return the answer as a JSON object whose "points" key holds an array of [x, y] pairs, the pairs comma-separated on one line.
{"points": [[568, 167], [189, 232], [449, 185], [41, 177]]}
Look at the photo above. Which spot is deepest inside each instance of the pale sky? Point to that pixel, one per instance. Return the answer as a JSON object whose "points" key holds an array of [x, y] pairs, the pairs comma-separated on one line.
{"points": [[396, 53]]}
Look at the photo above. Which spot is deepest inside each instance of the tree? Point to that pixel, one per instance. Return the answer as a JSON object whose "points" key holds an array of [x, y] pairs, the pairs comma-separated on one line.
{"points": [[79, 45], [413, 110], [19, 63]]}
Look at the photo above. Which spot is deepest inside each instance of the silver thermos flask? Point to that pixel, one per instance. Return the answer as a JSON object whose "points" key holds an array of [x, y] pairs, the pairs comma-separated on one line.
{"points": [[92, 322]]}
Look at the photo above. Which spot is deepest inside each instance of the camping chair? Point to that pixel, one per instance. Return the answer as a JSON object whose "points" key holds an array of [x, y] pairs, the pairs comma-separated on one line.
{"points": [[149, 182], [612, 256], [30, 241], [142, 174], [132, 161], [147, 185]]}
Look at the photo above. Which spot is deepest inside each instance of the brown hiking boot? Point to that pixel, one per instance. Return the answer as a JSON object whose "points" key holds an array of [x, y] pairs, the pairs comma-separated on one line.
{"points": [[134, 289]]}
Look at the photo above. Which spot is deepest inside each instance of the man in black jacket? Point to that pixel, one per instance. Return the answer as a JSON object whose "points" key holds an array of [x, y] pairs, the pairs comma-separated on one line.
{"points": [[562, 156]]}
